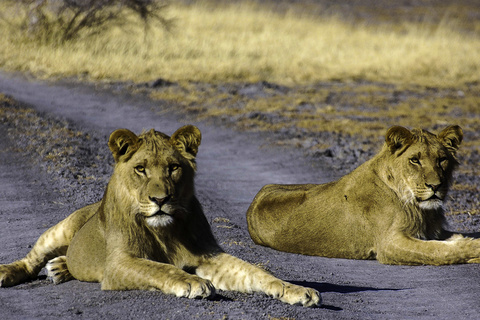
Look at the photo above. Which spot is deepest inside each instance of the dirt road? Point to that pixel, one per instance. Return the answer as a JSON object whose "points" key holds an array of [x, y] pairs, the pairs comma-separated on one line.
{"points": [[37, 192]]}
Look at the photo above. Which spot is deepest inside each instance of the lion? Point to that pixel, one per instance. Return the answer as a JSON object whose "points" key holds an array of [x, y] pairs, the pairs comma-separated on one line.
{"points": [[149, 231], [390, 208]]}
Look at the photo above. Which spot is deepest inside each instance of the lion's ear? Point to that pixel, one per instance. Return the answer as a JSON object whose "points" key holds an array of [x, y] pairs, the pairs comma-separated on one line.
{"points": [[398, 137], [187, 139], [122, 142], [451, 138]]}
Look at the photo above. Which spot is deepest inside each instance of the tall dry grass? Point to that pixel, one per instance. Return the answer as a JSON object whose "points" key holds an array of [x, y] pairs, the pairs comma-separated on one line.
{"points": [[247, 42]]}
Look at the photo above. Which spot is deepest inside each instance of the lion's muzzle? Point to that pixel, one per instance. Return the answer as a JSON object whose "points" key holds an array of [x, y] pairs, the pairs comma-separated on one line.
{"points": [[160, 201]]}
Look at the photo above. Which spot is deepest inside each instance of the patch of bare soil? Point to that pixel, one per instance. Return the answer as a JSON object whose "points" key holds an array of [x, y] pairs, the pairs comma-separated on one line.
{"points": [[54, 159]]}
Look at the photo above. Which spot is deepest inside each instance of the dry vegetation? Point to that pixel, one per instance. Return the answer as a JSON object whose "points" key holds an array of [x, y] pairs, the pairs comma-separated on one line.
{"points": [[249, 42], [290, 68]]}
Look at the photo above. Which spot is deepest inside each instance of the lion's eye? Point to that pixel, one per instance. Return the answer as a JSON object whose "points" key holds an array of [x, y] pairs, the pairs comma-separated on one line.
{"points": [[140, 169], [415, 161], [174, 167]]}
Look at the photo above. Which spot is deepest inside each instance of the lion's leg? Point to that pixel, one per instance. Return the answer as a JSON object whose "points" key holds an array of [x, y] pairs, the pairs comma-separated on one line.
{"points": [[400, 249], [50, 244], [129, 273], [229, 273]]}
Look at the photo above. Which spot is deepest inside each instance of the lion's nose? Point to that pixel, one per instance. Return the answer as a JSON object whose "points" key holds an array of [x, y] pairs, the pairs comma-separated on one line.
{"points": [[160, 201]]}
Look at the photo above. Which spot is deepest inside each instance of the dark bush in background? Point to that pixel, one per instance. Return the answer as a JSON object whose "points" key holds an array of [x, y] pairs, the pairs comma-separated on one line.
{"points": [[65, 20]]}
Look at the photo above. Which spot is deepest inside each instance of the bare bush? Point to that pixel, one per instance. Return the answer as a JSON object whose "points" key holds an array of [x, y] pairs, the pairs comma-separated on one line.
{"points": [[65, 20]]}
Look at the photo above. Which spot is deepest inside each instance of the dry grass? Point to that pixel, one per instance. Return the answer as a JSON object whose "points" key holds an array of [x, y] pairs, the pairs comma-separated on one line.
{"points": [[356, 109], [247, 42], [353, 80]]}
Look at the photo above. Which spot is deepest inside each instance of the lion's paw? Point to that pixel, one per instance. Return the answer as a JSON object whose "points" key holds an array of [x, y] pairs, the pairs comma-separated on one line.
{"points": [[472, 250], [299, 295], [193, 287], [293, 294], [13, 274], [57, 270], [475, 260]]}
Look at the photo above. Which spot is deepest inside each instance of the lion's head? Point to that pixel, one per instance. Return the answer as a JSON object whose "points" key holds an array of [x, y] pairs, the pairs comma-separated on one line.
{"points": [[153, 176], [421, 164]]}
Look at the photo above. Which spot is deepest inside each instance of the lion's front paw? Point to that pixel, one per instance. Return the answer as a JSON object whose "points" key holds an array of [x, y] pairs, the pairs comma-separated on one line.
{"points": [[13, 274], [471, 248], [306, 297], [193, 287], [293, 294]]}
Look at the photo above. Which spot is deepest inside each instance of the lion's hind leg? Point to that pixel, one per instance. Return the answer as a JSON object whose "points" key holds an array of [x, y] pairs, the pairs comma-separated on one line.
{"points": [[14, 273], [52, 243], [57, 270]]}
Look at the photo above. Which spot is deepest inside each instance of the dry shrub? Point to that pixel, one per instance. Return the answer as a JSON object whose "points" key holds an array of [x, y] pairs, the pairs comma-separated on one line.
{"points": [[60, 21]]}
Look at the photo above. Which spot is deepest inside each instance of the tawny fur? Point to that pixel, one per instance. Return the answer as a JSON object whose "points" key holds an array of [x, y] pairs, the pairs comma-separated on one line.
{"points": [[148, 231], [389, 208]]}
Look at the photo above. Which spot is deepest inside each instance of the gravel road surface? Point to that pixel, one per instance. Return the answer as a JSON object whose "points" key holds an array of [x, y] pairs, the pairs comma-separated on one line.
{"points": [[41, 183]]}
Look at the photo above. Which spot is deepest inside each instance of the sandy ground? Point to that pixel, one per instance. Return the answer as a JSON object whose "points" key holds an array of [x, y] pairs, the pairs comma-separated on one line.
{"points": [[35, 193]]}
